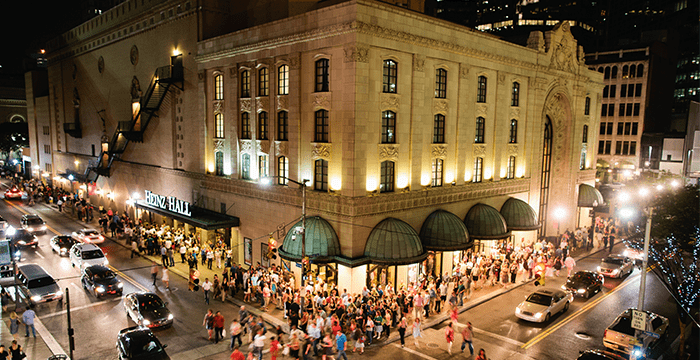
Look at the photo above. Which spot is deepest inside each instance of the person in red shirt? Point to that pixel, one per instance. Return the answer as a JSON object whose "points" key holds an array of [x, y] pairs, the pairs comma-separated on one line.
{"points": [[237, 354], [218, 327], [274, 348]]}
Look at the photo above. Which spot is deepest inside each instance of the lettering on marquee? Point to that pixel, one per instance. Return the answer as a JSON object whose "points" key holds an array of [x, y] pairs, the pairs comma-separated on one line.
{"points": [[169, 203]]}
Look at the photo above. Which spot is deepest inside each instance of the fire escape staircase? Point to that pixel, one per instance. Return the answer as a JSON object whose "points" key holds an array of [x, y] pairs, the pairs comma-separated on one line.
{"points": [[127, 131]]}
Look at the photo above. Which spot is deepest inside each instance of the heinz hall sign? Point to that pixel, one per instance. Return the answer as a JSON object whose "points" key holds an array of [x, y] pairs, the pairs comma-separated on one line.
{"points": [[169, 203]]}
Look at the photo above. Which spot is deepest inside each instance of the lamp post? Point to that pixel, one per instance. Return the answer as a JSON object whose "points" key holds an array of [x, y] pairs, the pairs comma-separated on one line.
{"points": [[302, 184], [643, 279]]}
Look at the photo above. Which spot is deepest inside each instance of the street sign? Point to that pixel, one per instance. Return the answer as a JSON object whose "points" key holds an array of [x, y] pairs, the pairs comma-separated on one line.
{"points": [[298, 265], [652, 334], [5, 255], [639, 320]]}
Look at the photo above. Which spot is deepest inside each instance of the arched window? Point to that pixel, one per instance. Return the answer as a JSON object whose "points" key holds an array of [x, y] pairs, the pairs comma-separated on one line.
{"points": [[481, 90], [587, 106], [633, 70], [219, 126], [439, 129], [640, 70], [613, 75], [219, 87], [245, 125], [515, 95], [513, 131], [478, 174], [585, 134], [625, 72], [390, 76], [322, 75], [600, 69], [282, 170], [245, 84], [282, 125], [245, 166], [263, 125], [437, 173], [607, 73], [283, 80], [480, 128], [321, 175], [321, 126], [510, 169], [440, 83], [388, 127], [386, 183], [263, 82]]}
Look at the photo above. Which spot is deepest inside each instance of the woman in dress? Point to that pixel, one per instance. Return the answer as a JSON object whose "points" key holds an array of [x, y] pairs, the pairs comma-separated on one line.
{"points": [[449, 337], [14, 325], [16, 351], [416, 332]]}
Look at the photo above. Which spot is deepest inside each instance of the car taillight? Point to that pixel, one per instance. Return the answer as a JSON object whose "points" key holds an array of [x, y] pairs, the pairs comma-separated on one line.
{"points": [[605, 334], [102, 237]]}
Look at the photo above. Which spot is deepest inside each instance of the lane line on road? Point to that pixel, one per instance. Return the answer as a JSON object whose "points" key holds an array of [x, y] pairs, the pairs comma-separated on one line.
{"points": [[414, 352], [72, 309], [27, 213], [499, 337], [39, 255]]}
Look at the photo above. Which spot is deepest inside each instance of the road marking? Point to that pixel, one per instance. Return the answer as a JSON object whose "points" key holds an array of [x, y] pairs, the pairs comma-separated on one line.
{"points": [[499, 337], [72, 309], [39, 255], [27, 213], [414, 352], [129, 279]]}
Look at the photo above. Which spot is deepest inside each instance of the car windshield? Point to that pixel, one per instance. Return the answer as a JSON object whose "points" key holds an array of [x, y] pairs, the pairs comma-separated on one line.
{"points": [[65, 241], [92, 254], [42, 281], [104, 275], [90, 233], [581, 277], [35, 221], [540, 299], [141, 345], [151, 302]]}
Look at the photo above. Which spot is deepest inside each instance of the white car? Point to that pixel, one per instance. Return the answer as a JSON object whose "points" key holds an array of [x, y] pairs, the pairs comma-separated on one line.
{"points": [[90, 236], [542, 304], [616, 266], [84, 255]]}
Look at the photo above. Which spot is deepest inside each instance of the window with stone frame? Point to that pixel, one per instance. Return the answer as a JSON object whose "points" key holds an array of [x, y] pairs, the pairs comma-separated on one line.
{"points": [[245, 125], [282, 125], [218, 87], [219, 126], [282, 170], [481, 90], [389, 76], [283, 80], [513, 132], [263, 126], [478, 174], [245, 84], [263, 166], [439, 129], [510, 169], [441, 83], [263, 82], [322, 75], [480, 129], [515, 95], [437, 176], [386, 183], [388, 127], [321, 175], [245, 166], [321, 126]]}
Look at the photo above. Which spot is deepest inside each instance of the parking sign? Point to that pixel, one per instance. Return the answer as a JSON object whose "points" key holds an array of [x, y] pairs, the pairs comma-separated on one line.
{"points": [[639, 320]]}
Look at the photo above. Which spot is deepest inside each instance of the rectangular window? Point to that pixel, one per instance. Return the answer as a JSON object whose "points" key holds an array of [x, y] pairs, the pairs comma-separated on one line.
{"points": [[262, 166], [219, 87], [283, 80], [604, 110], [321, 122], [386, 177], [322, 75], [245, 125], [46, 130], [390, 76], [611, 109], [608, 144], [618, 148], [219, 126], [635, 128], [619, 128], [606, 91], [582, 162], [623, 90], [321, 175], [219, 163], [480, 129], [628, 128], [481, 90], [439, 129], [478, 175], [437, 173], [602, 128], [638, 90], [263, 82], [584, 139], [245, 84], [513, 132], [636, 109], [263, 125], [613, 90], [628, 110], [48, 168], [515, 95], [601, 147], [621, 112], [388, 127], [47, 149], [282, 170], [625, 147], [245, 166], [610, 128], [282, 125], [587, 106], [440, 83], [510, 170], [633, 148]]}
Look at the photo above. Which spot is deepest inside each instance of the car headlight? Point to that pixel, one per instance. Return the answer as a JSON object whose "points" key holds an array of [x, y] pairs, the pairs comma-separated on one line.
{"points": [[563, 287], [100, 289], [30, 229], [170, 317], [22, 242], [517, 310], [145, 322], [581, 291], [106, 262], [59, 293], [616, 271], [637, 353], [538, 315], [63, 250], [11, 231], [598, 268], [101, 237], [36, 298], [120, 285], [43, 227]]}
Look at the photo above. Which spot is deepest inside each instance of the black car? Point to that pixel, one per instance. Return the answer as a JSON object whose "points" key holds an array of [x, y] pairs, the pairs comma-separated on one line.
{"points": [[61, 244], [139, 343], [584, 283], [100, 280], [21, 238], [599, 355], [147, 309]]}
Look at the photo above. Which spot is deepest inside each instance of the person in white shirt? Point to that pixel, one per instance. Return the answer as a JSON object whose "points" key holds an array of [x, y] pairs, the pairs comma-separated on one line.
{"points": [[259, 343], [206, 286]]}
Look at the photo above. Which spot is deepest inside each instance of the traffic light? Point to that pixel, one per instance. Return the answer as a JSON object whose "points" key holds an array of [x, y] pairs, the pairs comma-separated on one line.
{"points": [[539, 280], [271, 248]]}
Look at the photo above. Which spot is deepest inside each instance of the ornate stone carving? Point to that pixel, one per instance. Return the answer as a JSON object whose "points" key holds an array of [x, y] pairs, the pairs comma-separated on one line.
{"points": [[554, 108], [501, 79], [232, 73], [262, 146], [247, 146], [321, 100], [463, 71], [515, 113], [479, 150], [356, 54], [388, 152], [218, 106], [438, 151], [245, 105], [134, 55], [418, 63], [135, 88], [262, 104], [541, 83], [440, 106], [512, 149], [101, 64], [282, 102], [201, 76], [281, 148], [321, 151], [564, 52], [218, 145], [389, 102], [294, 61], [481, 109]]}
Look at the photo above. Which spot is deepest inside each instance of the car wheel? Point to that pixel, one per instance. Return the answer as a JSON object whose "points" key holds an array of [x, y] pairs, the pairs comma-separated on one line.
{"points": [[546, 318], [84, 285], [566, 307]]}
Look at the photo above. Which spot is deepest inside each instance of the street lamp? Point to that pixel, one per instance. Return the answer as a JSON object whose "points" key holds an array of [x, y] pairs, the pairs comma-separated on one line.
{"points": [[559, 214], [266, 181]]}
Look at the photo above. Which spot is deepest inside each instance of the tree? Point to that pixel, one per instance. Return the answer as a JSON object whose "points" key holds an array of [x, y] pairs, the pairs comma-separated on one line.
{"points": [[13, 136], [676, 216]]}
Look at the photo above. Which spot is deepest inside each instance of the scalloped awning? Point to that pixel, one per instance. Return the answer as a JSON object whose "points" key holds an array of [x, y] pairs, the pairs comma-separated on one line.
{"points": [[322, 243], [589, 196], [444, 231], [394, 242], [519, 215], [486, 223]]}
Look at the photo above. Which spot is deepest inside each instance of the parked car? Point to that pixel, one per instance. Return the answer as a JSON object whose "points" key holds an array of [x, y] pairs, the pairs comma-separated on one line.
{"points": [[88, 236], [13, 193], [544, 303], [83, 255], [615, 266], [621, 337], [100, 281], [595, 354], [33, 223], [36, 285], [61, 244], [136, 343], [637, 255], [584, 283], [21, 238], [147, 309]]}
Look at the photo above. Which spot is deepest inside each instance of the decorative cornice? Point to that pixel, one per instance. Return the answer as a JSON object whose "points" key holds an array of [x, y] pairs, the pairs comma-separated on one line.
{"points": [[356, 53], [389, 102], [321, 151], [388, 152], [479, 150], [13, 102]]}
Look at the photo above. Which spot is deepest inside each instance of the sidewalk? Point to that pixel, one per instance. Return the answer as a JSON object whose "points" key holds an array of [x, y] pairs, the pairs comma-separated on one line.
{"points": [[35, 348]]}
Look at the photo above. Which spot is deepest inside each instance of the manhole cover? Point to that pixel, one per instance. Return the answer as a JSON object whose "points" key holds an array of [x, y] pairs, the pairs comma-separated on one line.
{"points": [[582, 335], [433, 345]]}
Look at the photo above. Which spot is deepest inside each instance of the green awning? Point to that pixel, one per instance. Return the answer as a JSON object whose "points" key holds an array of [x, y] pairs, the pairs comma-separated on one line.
{"points": [[519, 215], [322, 243], [444, 231], [394, 242], [486, 223], [589, 196]]}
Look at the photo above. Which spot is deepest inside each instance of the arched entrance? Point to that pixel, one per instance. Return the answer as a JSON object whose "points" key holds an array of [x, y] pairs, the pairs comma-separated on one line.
{"points": [[545, 177]]}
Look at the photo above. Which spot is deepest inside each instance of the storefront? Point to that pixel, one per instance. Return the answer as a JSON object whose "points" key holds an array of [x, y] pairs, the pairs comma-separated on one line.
{"points": [[521, 221], [447, 240], [588, 199], [486, 226]]}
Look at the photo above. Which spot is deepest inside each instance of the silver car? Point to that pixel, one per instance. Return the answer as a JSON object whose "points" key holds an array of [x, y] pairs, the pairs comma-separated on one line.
{"points": [[542, 304], [616, 266]]}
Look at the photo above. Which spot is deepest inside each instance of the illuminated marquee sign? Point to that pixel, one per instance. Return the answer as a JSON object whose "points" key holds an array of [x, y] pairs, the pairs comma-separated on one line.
{"points": [[169, 203]]}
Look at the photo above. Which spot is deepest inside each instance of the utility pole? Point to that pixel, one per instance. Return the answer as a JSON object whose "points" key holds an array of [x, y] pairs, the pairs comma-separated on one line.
{"points": [[71, 339], [645, 261]]}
